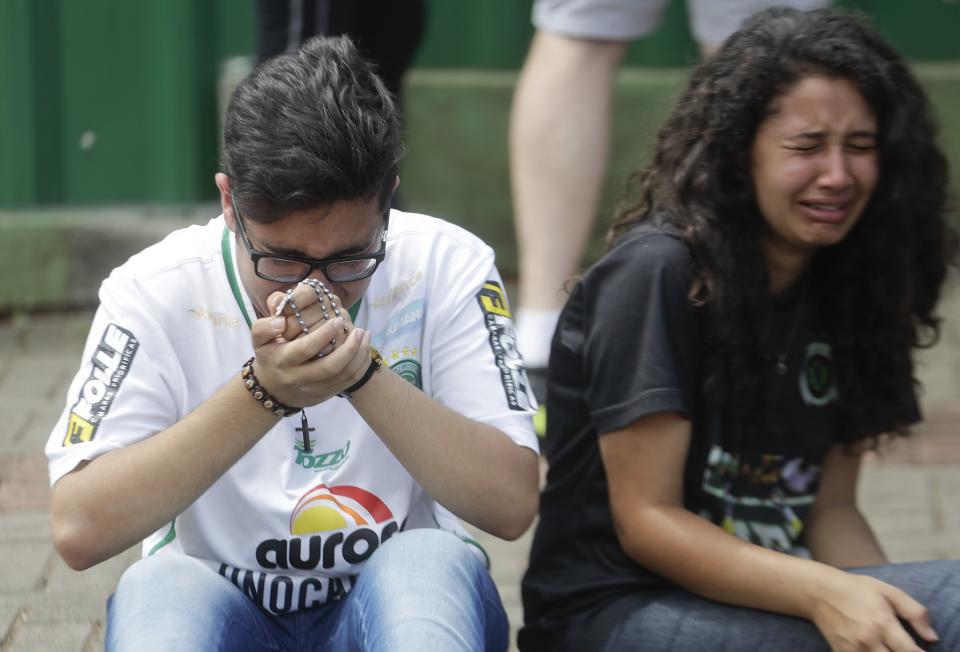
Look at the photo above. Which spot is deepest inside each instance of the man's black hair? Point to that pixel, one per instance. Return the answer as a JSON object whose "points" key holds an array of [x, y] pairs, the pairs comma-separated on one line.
{"points": [[309, 128]]}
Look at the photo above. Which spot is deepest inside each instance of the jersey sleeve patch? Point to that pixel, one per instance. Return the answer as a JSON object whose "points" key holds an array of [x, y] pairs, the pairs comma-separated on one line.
{"points": [[503, 342], [110, 365]]}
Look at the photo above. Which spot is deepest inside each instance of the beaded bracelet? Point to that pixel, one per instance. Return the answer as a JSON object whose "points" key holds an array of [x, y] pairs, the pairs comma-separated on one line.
{"points": [[263, 397]]}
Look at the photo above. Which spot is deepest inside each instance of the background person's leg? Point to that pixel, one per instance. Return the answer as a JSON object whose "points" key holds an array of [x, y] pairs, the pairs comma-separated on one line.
{"points": [[275, 34], [174, 602], [389, 32], [559, 146], [422, 590]]}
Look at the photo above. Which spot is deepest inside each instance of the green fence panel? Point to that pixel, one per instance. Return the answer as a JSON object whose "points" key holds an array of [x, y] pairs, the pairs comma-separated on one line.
{"points": [[30, 162], [139, 116], [17, 180], [105, 111], [479, 34]]}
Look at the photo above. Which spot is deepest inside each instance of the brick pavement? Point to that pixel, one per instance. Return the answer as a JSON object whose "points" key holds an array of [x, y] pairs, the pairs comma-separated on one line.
{"points": [[907, 493]]}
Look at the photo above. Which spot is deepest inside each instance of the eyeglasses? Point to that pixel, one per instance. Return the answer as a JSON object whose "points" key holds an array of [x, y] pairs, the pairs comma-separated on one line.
{"points": [[293, 269]]}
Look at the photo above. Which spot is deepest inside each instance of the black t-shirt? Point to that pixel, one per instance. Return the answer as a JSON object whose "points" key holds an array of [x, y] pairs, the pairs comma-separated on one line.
{"points": [[629, 343]]}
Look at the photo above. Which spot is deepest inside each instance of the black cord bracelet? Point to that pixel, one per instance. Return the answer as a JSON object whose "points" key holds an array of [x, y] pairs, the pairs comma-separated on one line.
{"points": [[375, 362], [261, 395]]}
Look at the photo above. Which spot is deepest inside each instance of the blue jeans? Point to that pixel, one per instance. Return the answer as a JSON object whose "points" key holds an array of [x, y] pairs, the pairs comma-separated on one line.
{"points": [[671, 619], [422, 590]]}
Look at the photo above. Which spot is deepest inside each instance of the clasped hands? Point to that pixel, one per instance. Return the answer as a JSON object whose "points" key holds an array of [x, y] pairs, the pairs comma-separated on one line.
{"points": [[307, 350]]}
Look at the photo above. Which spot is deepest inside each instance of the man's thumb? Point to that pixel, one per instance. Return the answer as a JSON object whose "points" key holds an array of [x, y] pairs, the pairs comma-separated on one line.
{"points": [[266, 330]]}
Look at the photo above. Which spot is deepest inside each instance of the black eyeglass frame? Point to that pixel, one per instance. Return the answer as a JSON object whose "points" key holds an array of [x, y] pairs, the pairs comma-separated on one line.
{"points": [[313, 263]]}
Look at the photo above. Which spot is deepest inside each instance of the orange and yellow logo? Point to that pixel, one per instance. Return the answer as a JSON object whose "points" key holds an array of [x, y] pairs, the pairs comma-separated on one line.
{"points": [[324, 508]]}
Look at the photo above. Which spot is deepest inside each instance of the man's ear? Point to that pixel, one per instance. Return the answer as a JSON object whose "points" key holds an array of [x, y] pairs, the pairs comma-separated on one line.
{"points": [[226, 200], [396, 182]]}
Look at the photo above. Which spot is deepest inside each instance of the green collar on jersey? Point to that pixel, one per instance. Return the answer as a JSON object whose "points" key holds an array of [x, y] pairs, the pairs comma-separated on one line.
{"points": [[235, 284]]}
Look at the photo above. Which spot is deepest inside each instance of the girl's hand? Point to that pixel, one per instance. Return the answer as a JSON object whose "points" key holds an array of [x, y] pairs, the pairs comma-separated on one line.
{"points": [[858, 613]]}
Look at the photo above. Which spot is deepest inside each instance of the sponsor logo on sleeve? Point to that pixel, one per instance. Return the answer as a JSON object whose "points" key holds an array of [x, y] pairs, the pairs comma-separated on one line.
{"points": [[110, 364], [493, 300], [503, 342]]}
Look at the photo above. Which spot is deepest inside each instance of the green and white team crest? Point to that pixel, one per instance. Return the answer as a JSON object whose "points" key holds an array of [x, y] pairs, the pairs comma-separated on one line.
{"points": [[409, 370], [818, 382]]}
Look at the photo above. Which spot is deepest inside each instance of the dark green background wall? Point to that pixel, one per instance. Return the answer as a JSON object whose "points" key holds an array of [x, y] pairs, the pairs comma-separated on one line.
{"points": [[106, 101]]}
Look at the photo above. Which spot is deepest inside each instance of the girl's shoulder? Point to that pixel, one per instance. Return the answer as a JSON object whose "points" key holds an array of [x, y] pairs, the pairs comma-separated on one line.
{"points": [[649, 248]]}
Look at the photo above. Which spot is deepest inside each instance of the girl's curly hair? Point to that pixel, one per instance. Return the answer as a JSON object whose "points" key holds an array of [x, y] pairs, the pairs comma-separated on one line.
{"points": [[874, 293]]}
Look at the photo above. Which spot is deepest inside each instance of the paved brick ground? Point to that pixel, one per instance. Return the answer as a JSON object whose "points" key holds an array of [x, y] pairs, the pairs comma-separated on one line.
{"points": [[907, 493]]}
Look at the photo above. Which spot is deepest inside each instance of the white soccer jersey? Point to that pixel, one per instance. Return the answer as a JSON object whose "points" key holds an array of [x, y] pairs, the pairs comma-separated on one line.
{"points": [[293, 527]]}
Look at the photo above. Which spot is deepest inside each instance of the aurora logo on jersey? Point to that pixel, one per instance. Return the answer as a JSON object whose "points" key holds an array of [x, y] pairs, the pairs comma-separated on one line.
{"points": [[330, 461], [503, 341], [345, 524], [111, 361], [325, 508]]}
